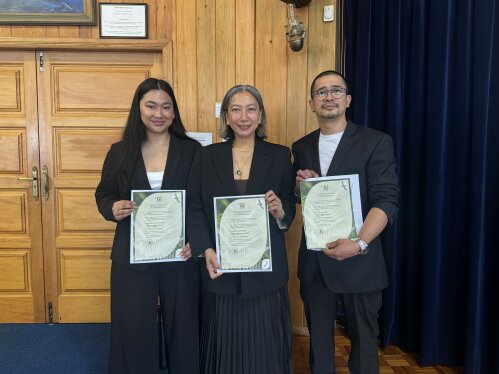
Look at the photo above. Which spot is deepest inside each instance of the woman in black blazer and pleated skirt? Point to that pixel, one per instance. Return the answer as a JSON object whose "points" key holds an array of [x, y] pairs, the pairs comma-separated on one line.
{"points": [[245, 322]]}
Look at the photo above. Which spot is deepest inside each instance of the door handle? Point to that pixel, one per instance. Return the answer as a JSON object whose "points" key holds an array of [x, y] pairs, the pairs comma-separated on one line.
{"points": [[45, 182], [34, 179]]}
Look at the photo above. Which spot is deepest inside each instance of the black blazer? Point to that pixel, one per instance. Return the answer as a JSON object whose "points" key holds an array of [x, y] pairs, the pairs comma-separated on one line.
{"points": [[211, 176], [368, 153], [116, 185]]}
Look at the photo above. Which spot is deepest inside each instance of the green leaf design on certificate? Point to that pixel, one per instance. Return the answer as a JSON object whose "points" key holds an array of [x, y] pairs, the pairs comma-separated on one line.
{"points": [[158, 225], [243, 233]]}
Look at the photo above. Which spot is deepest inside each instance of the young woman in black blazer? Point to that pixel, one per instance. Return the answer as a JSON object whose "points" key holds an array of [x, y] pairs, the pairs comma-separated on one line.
{"points": [[155, 153], [246, 325]]}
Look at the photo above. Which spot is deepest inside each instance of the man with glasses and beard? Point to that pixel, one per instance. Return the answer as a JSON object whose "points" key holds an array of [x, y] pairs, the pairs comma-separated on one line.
{"points": [[354, 267]]}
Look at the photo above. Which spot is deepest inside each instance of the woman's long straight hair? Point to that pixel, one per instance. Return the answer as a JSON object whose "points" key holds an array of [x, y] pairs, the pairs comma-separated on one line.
{"points": [[135, 131]]}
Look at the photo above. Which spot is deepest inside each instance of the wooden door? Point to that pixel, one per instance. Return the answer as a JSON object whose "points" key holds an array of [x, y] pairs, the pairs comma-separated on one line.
{"points": [[21, 256], [55, 250], [83, 101]]}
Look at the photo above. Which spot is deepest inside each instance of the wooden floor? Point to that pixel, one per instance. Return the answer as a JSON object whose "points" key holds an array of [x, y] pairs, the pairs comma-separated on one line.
{"points": [[391, 359]]}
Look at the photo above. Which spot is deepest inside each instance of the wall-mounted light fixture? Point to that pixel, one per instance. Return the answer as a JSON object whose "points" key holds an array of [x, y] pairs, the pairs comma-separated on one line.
{"points": [[295, 31]]}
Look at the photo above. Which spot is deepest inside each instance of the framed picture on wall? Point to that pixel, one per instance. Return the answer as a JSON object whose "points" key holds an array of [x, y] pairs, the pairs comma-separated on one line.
{"points": [[123, 20], [47, 12]]}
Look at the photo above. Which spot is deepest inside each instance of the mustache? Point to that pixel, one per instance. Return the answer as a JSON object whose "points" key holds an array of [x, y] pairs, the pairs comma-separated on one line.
{"points": [[329, 105]]}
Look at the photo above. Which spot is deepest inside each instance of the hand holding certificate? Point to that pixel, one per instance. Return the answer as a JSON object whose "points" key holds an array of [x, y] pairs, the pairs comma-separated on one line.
{"points": [[331, 209], [242, 233], [157, 226]]}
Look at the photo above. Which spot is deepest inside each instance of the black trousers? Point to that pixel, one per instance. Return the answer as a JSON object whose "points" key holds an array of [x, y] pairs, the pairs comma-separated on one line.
{"points": [[134, 334], [362, 327]]}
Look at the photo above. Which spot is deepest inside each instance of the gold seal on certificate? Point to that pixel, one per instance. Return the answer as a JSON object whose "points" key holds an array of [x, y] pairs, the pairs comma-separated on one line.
{"points": [[157, 226], [331, 209], [242, 233]]}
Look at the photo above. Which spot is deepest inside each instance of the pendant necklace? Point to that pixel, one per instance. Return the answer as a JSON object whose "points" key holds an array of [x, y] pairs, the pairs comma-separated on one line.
{"points": [[239, 168]]}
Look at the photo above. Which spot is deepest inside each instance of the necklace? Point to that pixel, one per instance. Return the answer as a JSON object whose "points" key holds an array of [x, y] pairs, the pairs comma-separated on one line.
{"points": [[239, 171], [243, 150]]}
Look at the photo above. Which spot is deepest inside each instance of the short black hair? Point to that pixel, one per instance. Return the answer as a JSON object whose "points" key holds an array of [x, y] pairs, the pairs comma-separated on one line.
{"points": [[324, 73]]}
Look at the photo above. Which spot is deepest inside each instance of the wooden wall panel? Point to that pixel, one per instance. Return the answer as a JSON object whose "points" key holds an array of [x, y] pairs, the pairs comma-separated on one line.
{"points": [[81, 151], [85, 270], [12, 142], [225, 46], [13, 218], [10, 99], [19, 309], [84, 308], [80, 89], [14, 271], [206, 67], [297, 87], [185, 82], [78, 214], [321, 48], [245, 42], [271, 67]]}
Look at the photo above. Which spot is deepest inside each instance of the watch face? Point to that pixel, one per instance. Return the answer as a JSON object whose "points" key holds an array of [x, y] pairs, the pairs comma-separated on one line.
{"points": [[362, 244], [364, 248]]}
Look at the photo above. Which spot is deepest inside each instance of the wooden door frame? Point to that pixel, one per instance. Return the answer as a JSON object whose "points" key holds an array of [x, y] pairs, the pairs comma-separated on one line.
{"points": [[24, 121], [76, 44]]}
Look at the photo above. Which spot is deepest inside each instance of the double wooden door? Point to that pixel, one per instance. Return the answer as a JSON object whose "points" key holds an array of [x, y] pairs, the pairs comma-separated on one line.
{"points": [[59, 113]]}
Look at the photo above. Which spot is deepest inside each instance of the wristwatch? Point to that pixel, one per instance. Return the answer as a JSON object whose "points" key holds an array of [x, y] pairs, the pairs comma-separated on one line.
{"points": [[364, 248]]}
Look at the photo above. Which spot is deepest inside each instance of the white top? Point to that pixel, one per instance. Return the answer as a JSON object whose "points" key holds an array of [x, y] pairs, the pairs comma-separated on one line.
{"points": [[327, 148], [155, 179]]}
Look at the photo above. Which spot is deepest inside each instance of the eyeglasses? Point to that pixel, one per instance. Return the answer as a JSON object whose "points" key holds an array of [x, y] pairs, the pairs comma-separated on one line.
{"points": [[336, 93]]}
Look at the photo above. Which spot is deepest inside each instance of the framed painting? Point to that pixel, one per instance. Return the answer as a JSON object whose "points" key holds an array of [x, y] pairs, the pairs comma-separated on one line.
{"points": [[47, 12]]}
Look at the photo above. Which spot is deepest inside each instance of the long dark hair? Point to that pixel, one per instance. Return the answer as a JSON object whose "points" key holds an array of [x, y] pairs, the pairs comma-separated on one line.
{"points": [[135, 131]]}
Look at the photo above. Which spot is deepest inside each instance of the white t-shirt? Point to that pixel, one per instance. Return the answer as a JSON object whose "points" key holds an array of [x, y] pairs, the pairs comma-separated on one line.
{"points": [[155, 179], [327, 147]]}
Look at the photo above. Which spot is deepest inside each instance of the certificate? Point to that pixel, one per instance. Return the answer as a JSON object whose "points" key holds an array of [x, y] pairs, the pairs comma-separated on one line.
{"points": [[331, 209], [123, 20], [204, 138], [157, 232], [242, 233]]}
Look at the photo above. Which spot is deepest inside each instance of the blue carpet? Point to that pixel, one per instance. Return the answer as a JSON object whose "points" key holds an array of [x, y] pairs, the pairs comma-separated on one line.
{"points": [[54, 349]]}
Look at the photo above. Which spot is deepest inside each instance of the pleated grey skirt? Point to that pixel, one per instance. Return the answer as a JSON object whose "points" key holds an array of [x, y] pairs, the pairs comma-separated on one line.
{"points": [[246, 335]]}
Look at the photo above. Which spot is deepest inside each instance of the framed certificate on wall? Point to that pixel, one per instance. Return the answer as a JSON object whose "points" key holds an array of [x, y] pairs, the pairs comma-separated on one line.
{"points": [[123, 20]]}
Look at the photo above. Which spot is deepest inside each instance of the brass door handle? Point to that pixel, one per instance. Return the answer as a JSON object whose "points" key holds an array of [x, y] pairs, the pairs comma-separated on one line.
{"points": [[34, 179], [45, 182]]}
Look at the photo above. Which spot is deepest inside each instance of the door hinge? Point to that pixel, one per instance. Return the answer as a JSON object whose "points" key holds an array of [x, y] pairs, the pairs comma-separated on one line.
{"points": [[41, 61], [51, 313]]}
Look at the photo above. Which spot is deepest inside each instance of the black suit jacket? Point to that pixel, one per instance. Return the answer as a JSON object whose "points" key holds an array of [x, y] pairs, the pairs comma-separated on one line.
{"points": [[368, 153], [211, 176], [116, 185]]}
